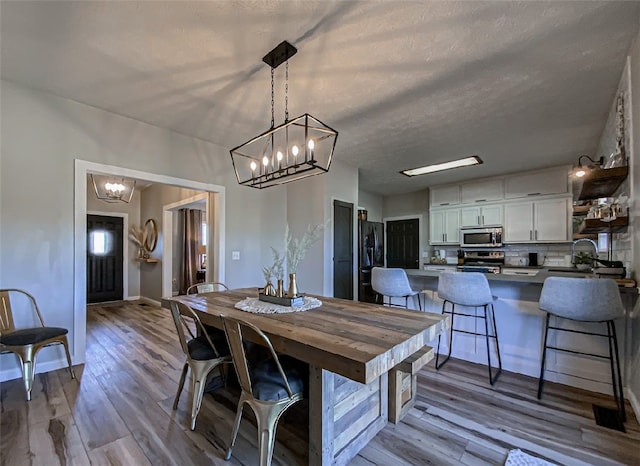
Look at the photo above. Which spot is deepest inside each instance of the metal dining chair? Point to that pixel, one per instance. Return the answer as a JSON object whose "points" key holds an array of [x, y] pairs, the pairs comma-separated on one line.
{"points": [[206, 287], [25, 342], [204, 354], [393, 283], [269, 388]]}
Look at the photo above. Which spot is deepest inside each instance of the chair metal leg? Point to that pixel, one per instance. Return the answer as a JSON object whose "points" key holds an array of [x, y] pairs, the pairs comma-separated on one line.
{"points": [[236, 427], [180, 385], [544, 355], [453, 311], [492, 379], [617, 387], [65, 343], [28, 370], [199, 380]]}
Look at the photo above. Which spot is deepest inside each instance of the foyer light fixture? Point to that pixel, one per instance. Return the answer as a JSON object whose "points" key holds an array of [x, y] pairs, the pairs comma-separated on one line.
{"points": [[581, 170], [296, 149], [465, 162], [113, 188]]}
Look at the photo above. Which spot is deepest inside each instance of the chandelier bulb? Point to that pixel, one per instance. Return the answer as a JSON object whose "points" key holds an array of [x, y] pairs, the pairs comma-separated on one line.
{"points": [[265, 160], [311, 144], [295, 150], [279, 156], [253, 166]]}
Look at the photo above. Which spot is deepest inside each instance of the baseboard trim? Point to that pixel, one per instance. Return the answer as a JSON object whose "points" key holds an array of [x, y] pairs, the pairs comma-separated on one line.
{"points": [[48, 366], [635, 403], [153, 302]]}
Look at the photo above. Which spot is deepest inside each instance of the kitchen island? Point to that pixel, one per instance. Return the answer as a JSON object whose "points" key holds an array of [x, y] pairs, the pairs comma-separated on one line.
{"points": [[521, 329]]}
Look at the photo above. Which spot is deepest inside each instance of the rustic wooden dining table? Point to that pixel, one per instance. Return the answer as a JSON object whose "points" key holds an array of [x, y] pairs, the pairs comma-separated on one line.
{"points": [[350, 347]]}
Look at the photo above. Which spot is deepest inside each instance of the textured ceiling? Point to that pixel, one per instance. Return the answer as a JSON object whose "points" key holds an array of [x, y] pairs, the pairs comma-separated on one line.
{"points": [[521, 84]]}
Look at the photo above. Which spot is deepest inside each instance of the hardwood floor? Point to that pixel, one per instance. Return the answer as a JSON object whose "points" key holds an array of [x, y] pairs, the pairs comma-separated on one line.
{"points": [[118, 412]]}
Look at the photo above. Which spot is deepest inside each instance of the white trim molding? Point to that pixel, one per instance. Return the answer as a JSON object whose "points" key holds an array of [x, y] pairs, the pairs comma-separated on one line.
{"points": [[81, 169]]}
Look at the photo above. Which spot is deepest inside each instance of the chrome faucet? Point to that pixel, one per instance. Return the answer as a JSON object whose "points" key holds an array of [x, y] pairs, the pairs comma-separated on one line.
{"points": [[573, 248]]}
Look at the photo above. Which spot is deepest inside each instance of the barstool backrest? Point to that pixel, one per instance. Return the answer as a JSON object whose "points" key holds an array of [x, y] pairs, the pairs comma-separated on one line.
{"points": [[465, 288], [390, 282], [585, 299]]}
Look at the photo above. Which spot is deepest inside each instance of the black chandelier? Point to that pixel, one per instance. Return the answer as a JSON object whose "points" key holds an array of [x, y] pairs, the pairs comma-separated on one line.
{"points": [[296, 149]]}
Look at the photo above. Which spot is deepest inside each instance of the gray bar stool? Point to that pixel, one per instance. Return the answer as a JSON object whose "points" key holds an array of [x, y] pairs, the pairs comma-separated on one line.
{"points": [[468, 289], [595, 300], [393, 283]]}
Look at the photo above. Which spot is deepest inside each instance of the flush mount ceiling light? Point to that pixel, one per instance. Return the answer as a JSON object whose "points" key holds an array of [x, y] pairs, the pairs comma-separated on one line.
{"points": [[113, 188], [295, 149], [581, 171], [467, 161]]}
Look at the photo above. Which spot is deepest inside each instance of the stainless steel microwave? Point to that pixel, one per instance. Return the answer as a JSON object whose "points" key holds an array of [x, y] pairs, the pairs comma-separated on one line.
{"points": [[481, 237]]}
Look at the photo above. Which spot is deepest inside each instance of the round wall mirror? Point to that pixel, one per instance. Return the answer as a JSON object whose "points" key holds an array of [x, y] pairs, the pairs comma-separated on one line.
{"points": [[152, 235]]}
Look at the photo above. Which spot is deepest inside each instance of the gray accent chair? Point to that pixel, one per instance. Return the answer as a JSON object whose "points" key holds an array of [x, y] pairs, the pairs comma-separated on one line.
{"points": [[594, 300], [393, 283], [470, 289]]}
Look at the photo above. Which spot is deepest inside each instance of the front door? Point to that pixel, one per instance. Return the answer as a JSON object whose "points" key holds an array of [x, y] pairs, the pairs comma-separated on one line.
{"points": [[403, 244], [342, 250], [104, 258]]}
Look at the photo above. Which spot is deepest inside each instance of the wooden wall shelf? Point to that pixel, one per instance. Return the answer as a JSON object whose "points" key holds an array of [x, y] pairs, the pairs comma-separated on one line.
{"points": [[595, 225], [602, 182]]}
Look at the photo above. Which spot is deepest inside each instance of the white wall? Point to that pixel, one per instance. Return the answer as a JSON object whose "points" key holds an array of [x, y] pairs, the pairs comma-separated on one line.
{"points": [[42, 135], [372, 203]]}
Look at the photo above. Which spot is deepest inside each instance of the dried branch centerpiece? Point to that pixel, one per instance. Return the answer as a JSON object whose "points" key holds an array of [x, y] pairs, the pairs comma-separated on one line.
{"points": [[295, 251]]}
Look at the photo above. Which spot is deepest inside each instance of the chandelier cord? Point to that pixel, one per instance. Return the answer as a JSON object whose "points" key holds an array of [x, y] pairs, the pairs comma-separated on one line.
{"points": [[286, 93], [272, 102]]}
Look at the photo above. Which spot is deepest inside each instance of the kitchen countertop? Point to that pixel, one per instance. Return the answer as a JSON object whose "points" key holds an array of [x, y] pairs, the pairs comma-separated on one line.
{"points": [[537, 279]]}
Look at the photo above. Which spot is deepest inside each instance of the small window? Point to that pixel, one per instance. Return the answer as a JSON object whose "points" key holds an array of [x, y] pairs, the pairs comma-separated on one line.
{"points": [[100, 242], [603, 242]]}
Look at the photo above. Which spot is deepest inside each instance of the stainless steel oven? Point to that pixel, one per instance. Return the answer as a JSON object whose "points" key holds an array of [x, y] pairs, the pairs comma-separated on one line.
{"points": [[481, 237], [482, 261]]}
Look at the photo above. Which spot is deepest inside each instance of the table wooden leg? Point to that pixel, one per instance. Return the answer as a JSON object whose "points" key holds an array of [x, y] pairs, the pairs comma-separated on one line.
{"points": [[343, 416]]}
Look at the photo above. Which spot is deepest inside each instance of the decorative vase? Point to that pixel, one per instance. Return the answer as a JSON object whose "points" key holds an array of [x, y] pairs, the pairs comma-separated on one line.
{"points": [[269, 290], [280, 289], [292, 292]]}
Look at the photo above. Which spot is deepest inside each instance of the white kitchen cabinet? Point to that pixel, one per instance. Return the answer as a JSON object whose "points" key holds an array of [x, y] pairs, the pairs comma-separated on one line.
{"points": [[551, 220], [445, 195], [444, 226], [537, 221], [482, 191], [480, 216], [538, 183]]}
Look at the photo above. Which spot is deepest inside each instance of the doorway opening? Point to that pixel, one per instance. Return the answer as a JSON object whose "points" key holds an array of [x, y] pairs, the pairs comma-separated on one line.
{"points": [[216, 197]]}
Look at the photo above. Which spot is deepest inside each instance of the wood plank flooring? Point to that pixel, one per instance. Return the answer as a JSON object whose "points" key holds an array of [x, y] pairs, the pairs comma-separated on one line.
{"points": [[118, 412]]}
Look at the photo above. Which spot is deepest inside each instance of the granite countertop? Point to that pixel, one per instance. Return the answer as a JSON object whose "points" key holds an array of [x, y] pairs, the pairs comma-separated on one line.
{"points": [[537, 279]]}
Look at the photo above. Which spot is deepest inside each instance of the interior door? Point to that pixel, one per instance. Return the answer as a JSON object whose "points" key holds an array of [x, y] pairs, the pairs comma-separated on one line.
{"points": [[403, 243], [104, 258], [342, 250]]}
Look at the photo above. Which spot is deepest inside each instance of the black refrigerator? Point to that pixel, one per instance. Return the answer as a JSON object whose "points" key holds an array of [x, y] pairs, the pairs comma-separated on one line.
{"points": [[370, 254]]}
